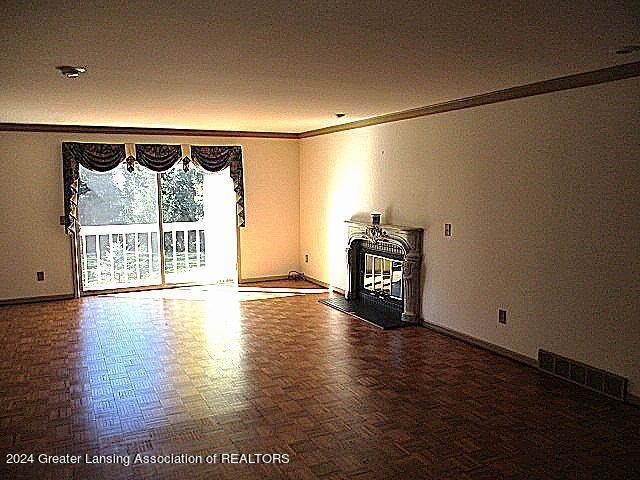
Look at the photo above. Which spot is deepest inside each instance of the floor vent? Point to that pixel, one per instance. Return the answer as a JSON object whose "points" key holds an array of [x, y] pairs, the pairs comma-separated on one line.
{"points": [[590, 377]]}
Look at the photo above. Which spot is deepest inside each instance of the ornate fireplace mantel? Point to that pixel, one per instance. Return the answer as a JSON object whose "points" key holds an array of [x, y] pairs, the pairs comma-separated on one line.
{"points": [[409, 240]]}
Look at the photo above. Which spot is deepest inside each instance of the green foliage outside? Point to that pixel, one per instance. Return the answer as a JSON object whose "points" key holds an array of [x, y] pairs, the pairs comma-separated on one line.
{"points": [[120, 198], [182, 195]]}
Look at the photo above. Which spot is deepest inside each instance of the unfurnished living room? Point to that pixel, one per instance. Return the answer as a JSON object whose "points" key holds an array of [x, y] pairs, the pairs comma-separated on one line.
{"points": [[320, 240]]}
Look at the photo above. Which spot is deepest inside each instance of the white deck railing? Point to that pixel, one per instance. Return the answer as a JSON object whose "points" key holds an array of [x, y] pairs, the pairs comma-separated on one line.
{"points": [[118, 255]]}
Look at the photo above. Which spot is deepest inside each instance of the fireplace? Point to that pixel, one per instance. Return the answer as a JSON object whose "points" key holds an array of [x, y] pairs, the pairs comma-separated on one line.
{"points": [[383, 274]]}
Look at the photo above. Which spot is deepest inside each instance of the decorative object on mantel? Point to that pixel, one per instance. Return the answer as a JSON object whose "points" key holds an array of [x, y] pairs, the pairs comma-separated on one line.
{"points": [[383, 274], [375, 218], [102, 157]]}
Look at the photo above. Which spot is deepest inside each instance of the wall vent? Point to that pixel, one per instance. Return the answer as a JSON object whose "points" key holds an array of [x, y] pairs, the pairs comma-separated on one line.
{"points": [[579, 373]]}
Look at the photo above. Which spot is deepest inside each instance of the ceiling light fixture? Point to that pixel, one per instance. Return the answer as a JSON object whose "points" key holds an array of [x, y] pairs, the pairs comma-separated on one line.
{"points": [[628, 49], [340, 115], [71, 72]]}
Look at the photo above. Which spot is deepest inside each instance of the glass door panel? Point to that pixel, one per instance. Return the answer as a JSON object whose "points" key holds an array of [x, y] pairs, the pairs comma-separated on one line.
{"points": [[377, 267], [368, 271], [386, 276], [198, 217], [396, 279], [119, 233]]}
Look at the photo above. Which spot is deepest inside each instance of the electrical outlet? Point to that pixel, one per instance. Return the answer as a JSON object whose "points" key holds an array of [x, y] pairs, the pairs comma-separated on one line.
{"points": [[502, 316], [40, 276], [306, 258], [447, 229]]}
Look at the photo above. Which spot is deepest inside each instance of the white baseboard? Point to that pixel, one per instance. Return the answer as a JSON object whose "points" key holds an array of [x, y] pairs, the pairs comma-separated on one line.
{"points": [[43, 298], [505, 352], [269, 278], [323, 284]]}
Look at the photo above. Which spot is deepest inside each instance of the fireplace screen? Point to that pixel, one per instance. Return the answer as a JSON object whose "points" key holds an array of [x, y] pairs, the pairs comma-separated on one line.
{"points": [[382, 275]]}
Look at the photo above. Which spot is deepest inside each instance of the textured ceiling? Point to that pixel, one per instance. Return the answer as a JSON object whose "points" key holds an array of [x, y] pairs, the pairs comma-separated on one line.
{"points": [[288, 66]]}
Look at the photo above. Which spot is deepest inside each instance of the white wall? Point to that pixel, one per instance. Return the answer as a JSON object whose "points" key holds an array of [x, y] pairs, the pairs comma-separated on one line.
{"points": [[31, 202], [544, 200]]}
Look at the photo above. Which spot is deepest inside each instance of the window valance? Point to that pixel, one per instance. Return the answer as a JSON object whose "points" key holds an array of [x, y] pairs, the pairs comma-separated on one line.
{"points": [[102, 157], [158, 157]]}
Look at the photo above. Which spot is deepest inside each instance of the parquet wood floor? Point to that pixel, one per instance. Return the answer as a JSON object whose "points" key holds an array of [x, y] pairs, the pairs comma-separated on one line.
{"points": [[204, 371]]}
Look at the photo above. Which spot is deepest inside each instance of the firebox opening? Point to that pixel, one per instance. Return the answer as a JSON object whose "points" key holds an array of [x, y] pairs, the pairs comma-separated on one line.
{"points": [[379, 282]]}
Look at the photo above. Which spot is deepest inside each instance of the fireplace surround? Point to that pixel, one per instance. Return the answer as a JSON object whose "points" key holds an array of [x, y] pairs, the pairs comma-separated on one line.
{"points": [[383, 269]]}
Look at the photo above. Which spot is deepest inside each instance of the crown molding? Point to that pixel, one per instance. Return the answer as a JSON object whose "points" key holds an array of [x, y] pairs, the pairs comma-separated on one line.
{"points": [[57, 128], [594, 77]]}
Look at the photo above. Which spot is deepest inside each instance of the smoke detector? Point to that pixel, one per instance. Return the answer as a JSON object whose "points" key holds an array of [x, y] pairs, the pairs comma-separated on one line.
{"points": [[71, 72]]}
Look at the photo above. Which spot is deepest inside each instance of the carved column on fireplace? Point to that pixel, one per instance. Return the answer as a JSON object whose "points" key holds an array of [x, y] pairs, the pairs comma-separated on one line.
{"points": [[352, 266], [411, 283], [409, 241]]}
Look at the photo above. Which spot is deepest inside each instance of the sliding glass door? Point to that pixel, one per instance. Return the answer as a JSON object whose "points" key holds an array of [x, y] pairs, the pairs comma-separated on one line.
{"points": [[119, 235], [132, 237], [198, 223], [183, 225]]}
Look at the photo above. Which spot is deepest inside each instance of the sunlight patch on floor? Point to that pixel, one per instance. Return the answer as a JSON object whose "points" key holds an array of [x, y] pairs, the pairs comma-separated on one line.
{"points": [[213, 292]]}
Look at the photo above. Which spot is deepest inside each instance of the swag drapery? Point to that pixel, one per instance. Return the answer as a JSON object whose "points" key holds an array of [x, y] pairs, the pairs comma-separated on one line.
{"points": [[102, 157]]}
